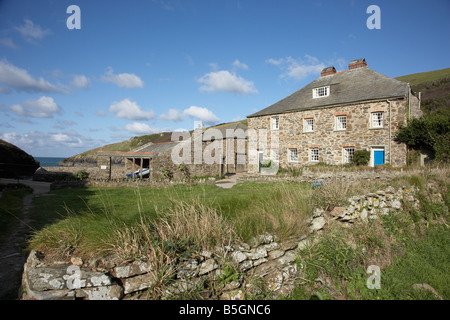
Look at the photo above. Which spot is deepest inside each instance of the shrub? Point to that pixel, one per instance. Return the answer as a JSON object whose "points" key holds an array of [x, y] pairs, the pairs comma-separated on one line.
{"points": [[266, 163], [184, 170], [361, 157], [81, 175], [167, 173], [431, 132]]}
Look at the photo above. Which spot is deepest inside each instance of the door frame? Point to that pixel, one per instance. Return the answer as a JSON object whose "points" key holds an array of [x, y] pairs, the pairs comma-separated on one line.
{"points": [[260, 159], [372, 154]]}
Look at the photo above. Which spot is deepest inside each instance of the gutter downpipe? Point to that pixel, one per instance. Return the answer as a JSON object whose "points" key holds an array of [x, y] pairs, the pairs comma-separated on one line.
{"points": [[389, 130], [409, 103]]}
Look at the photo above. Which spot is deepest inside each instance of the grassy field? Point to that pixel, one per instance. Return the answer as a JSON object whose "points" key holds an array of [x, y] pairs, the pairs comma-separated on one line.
{"points": [[11, 208], [89, 219], [411, 248]]}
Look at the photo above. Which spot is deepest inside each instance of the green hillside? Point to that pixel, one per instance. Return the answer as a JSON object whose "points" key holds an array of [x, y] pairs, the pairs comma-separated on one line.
{"points": [[424, 77], [127, 145], [434, 87]]}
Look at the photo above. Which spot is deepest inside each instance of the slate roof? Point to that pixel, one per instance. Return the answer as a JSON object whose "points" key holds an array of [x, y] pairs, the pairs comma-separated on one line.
{"points": [[156, 148], [227, 126], [361, 84]]}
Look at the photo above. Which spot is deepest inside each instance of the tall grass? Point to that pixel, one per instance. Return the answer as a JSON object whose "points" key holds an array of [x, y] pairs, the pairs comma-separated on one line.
{"points": [[125, 220], [411, 247], [283, 212]]}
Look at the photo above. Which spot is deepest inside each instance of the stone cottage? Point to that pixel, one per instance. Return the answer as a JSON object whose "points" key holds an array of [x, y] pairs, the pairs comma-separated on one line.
{"points": [[217, 150], [333, 116]]}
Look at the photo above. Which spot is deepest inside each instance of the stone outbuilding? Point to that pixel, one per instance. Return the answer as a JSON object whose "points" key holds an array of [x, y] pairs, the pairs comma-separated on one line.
{"points": [[213, 151], [333, 116]]}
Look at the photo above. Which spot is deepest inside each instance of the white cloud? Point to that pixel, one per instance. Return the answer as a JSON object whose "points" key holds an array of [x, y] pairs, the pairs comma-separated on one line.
{"points": [[61, 137], [59, 144], [225, 81], [298, 68], [9, 43], [20, 80], [130, 110], [44, 107], [173, 115], [202, 114], [140, 128], [274, 61], [123, 80], [17, 139], [31, 31], [101, 113], [81, 81], [239, 65]]}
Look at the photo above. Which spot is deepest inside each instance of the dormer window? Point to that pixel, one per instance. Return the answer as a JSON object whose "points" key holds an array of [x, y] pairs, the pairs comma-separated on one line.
{"points": [[321, 92]]}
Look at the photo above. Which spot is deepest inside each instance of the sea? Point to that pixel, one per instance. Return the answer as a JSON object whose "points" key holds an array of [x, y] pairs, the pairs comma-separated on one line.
{"points": [[49, 161]]}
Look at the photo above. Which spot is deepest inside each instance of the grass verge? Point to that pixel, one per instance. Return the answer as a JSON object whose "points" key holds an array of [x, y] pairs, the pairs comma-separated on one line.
{"points": [[411, 248]]}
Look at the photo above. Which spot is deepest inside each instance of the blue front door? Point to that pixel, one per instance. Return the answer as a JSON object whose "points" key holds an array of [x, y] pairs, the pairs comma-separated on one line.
{"points": [[378, 157]]}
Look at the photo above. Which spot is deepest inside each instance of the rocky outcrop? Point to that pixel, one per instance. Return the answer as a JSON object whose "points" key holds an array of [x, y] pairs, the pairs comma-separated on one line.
{"points": [[15, 162]]}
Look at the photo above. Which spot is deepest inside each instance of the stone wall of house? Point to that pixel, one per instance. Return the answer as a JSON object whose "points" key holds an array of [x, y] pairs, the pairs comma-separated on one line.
{"points": [[415, 111], [331, 142]]}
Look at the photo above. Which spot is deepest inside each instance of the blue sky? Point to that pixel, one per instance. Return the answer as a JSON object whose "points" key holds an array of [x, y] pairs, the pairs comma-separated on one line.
{"points": [[140, 67]]}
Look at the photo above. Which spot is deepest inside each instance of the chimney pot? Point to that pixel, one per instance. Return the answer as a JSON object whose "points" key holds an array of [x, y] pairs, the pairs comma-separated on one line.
{"points": [[327, 71], [358, 63]]}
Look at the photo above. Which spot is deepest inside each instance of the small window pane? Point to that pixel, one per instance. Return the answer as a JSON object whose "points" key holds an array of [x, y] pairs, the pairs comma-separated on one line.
{"points": [[348, 154], [341, 122], [377, 119], [309, 125], [315, 155], [321, 92], [275, 123], [293, 155]]}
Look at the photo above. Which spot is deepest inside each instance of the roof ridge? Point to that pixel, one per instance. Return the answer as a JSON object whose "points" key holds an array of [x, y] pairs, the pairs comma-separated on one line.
{"points": [[359, 84]]}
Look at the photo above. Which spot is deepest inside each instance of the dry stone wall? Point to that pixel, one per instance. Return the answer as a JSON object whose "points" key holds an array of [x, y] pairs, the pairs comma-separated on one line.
{"points": [[264, 257], [366, 207], [109, 279]]}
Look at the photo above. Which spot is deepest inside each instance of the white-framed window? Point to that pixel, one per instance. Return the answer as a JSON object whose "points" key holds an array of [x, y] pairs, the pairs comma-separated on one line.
{"points": [[293, 156], [309, 125], [377, 119], [275, 123], [321, 92], [314, 155], [341, 122], [348, 154], [274, 154]]}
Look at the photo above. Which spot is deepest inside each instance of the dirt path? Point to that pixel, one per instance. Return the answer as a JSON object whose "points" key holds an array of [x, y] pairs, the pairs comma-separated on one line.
{"points": [[12, 256]]}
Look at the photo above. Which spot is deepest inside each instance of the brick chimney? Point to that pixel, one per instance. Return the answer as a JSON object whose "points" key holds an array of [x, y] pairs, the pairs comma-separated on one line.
{"points": [[358, 63], [327, 71]]}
